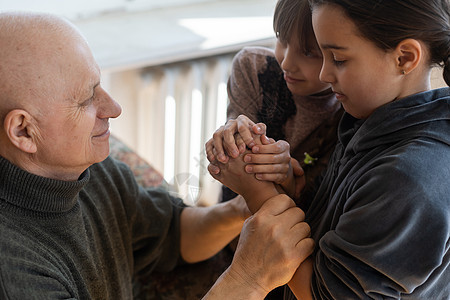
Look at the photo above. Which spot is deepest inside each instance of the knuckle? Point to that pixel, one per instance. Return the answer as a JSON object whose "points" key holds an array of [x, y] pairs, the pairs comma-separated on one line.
{"points": [[218, 133], [284, 144], [228, 132], [300, 213], [257, 219], [306, 229], [279, 147], [308, 245], [230, 123]]}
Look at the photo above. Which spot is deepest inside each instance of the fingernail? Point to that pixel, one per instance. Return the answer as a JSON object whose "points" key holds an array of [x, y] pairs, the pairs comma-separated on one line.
{"points": [[248, 169], [221, 157], [251, 144], [255, 149], [235, 153], [258, 176], [247, 158]]}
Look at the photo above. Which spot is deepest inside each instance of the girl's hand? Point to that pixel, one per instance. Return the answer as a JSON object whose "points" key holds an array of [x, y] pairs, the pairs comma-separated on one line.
{"points": [[272, 161], [233, 175], [224, 143]]}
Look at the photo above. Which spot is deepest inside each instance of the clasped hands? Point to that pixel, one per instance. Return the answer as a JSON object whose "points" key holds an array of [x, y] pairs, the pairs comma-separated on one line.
{"points": [[275, 240], [241, 148]]}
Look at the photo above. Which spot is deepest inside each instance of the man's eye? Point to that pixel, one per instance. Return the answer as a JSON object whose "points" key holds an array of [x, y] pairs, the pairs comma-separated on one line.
{"points": [[87, 102]]}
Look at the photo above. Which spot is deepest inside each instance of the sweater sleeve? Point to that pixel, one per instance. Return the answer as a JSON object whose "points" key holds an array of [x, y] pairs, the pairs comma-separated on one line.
{"points": [[391, 240], [244, 92]]}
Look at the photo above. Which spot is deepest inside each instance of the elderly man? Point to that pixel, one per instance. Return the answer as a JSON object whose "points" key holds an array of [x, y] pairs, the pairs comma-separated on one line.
{"points": [[74, 223]]}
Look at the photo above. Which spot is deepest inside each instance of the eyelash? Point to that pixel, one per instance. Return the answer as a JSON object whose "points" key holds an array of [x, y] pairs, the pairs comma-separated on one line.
{"points": [[338, 63], [87, 102], [310, 54]]}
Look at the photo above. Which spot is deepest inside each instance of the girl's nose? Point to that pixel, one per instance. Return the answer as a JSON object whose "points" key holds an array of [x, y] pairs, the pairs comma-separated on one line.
{"points": [[289, 60], [326, 74]]}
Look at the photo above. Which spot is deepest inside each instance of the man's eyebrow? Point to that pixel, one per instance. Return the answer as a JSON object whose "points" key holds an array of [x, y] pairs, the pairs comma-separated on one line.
{"points": [[91, 90], [95, 85], [333, 47]]}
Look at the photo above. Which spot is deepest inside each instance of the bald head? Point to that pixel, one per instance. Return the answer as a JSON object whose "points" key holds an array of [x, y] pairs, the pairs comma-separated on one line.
{"points": [[34, 48], [55, 112]]}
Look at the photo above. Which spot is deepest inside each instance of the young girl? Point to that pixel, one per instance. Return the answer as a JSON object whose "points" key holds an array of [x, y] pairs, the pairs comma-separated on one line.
{"points": [[381, 217], [281, 89]]}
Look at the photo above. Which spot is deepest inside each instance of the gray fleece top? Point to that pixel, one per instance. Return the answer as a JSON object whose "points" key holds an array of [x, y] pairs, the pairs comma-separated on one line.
{"points": [[83, 239], [381, 218]]}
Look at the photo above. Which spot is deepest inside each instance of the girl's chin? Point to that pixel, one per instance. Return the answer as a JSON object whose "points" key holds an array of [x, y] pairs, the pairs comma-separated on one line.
{"points": [[300, 91]]}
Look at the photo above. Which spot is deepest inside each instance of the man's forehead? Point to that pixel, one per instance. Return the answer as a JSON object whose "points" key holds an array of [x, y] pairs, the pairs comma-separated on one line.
{"points": [[47, 54], [84, 82]]}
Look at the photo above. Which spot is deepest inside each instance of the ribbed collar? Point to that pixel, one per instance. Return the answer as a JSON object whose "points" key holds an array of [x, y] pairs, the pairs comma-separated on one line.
{"points": [[25, 190]]}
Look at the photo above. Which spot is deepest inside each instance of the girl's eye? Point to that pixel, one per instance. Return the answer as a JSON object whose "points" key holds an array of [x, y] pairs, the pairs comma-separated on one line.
{"points": [[338, 63]]}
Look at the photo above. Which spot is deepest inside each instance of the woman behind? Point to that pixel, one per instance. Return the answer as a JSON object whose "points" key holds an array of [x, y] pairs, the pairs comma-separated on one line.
{"points": [[282, 89]]}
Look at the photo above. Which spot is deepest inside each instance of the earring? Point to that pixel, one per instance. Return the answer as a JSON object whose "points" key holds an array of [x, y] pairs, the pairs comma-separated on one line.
{"points": [[403, 72]]}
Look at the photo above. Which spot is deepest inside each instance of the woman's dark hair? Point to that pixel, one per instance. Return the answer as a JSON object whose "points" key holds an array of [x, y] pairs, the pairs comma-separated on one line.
{"points": [[294, 14], [387, 22]]}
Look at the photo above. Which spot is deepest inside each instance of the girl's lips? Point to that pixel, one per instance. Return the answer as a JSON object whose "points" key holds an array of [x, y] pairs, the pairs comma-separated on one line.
{"points": [[338, 95], [289, 79]]}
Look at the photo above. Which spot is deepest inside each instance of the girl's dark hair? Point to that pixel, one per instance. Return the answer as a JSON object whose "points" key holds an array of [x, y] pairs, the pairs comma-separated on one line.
{"points": [[388, 22], [294, 14]]}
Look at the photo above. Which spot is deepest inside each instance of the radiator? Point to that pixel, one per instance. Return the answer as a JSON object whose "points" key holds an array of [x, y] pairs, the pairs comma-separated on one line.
{"points": [[169, 112]]}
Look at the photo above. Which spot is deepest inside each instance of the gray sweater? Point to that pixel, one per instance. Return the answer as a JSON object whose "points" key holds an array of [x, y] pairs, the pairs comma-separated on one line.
{"points": [[83, 239], [381, 218]]}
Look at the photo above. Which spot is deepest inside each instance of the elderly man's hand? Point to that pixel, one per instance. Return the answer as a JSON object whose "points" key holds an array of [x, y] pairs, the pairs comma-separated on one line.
{"points": [[232, 174], [273, 243]]}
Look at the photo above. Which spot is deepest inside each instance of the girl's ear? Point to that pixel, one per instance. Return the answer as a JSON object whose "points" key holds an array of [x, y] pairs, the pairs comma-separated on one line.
{"points": [[409, 54], [20, 130]]}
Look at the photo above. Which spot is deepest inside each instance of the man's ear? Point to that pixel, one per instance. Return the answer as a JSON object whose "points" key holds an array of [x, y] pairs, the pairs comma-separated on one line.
{"points": [[20, 130], [409, 54]]}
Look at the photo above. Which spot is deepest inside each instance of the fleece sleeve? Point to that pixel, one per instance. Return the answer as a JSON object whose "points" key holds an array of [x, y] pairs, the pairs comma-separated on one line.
{"points": [[391, 238]]}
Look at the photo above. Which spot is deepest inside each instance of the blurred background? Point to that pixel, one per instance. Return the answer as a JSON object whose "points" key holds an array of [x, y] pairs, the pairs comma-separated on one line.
{"points": [[167, 62]]}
